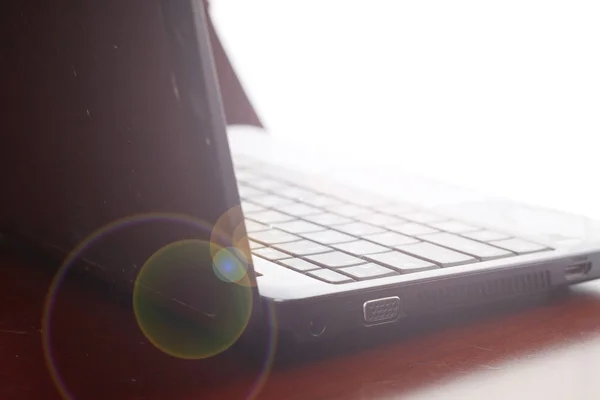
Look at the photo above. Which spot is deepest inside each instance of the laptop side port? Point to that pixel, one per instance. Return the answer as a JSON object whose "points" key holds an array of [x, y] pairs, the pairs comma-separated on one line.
{"points": [[317, 327], [577, 271], [381, 311]]}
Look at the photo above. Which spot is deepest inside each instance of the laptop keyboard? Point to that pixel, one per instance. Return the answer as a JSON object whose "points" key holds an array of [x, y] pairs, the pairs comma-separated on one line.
{"points": [[341, 238]]}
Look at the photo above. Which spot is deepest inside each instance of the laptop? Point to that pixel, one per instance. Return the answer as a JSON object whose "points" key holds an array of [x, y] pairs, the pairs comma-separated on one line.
{"points": [[118, 159]]}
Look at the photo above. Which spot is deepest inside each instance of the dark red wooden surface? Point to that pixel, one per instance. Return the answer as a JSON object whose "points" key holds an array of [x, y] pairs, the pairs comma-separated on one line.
{"points": [[101, 353]]}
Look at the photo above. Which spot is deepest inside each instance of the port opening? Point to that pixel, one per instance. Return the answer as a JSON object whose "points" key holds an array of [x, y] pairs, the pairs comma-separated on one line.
{"points": [[317, 327], [577, 271], [381, 311]]}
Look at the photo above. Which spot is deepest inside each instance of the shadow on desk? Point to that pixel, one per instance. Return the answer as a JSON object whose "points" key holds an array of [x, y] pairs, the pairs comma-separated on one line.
{"points": [[101, 353]]}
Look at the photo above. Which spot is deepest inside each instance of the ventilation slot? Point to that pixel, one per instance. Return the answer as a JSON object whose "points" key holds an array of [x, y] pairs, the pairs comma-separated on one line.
{"points": [[452, 295]]}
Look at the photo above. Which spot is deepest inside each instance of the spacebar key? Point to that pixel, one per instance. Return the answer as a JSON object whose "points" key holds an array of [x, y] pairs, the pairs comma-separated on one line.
{"points": [[439, 255], [480, 250]]}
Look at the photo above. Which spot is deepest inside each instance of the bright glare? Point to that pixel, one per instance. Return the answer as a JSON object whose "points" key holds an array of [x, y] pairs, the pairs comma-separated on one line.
{"points": [[502, 95]]}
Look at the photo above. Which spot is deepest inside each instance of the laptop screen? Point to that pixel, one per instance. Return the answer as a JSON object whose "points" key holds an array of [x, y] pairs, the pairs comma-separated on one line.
{"points": [[114, 135]]}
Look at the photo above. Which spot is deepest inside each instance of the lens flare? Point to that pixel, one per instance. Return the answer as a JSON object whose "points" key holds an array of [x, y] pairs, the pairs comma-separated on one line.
{"points": [[237, 243], [111, 228], [222, 310], [230, 265], [230, 221]]}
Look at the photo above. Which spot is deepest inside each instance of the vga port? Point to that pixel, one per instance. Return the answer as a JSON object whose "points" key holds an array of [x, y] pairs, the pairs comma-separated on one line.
{"points": [[381, 311]]}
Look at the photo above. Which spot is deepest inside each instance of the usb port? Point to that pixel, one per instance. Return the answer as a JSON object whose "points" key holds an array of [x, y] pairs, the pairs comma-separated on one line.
{"points": [[577, 271]]}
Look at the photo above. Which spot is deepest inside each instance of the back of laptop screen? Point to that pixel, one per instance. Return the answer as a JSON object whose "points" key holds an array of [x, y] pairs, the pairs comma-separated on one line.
{"points": [[114, 139]]}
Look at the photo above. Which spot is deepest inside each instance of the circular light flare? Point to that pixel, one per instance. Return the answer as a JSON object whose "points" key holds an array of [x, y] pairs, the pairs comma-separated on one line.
{"points": [[236, 242], [230, 265], [179, 336], [240, 244]]}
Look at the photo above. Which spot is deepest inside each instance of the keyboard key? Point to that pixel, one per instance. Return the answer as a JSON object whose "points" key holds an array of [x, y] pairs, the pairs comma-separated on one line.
{"points": [[402, 262], [266, 184], [361, 248], [299, 264], [255, 245], [242, 162], [486, 236], [273, 172], [359, 229], [321, 201], [270, 217], [299, 227], [274, 236], [328, 219], [455, 227], [252, 226], [270, 254], [391, 239], [300, 209], [330, 276], [519, 246], [413, 229], [368, 200], [395, 209], [437, 254], [249, 192], [244, 175], [251, 207], [480, 250], [295, 193], [424, 217], [335, 259], [271, 201], [381, 219], [349, 210], [329, 237], [367, 271], [358, 197], [302, 247]]}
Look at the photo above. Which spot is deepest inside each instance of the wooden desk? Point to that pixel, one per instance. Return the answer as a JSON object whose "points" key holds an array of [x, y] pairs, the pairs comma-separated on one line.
{"points": [[547, 350]]}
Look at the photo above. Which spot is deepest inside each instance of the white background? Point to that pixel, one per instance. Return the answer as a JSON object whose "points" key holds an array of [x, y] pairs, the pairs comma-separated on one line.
{"points": [[503, 96]]}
